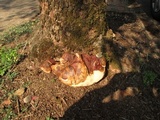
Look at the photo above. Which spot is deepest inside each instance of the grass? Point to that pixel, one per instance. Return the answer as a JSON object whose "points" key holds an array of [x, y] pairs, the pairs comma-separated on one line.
{"points": [[26, 84], [9, 113], [11, 75], [149, 77], [17, 31], [48, 118], [8, 57]]}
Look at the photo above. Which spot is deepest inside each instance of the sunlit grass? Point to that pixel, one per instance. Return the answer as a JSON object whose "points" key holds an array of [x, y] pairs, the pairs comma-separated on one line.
{"points": [[8, 57], [17, 31]]}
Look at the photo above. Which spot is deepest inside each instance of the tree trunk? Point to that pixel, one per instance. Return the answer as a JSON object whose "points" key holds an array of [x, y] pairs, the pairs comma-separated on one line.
{"points": [[69, 26]]}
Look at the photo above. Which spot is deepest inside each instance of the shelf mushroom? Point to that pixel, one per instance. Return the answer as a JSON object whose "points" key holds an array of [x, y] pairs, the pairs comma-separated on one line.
{"points": [[77, 69]]}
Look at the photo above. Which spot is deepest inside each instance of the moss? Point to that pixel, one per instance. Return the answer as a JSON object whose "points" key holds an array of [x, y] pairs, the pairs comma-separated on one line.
{"points": [[116, 64], [41, 50], [79, 22], [75, 20], [113, 60]]}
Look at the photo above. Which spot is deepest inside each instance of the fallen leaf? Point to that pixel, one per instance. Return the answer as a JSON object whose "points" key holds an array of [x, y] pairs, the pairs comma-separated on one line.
{"points": [[6, 102], [34, 98], [19, 92], [34, 102], [27, 99], [155, 91]]}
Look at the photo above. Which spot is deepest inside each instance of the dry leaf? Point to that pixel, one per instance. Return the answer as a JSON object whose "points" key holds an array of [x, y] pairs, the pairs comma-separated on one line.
{"points": [[155, 91], [34, 98], [27, 99], [6, 102], [110, 35], [34, 102], [20, 91]]}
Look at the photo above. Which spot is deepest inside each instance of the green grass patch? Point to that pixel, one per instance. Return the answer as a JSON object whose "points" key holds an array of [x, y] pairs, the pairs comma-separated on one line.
{"points": [[48, 118], [149, 77], [15, 32], [9, 114], [8, 57], [11, 75]]}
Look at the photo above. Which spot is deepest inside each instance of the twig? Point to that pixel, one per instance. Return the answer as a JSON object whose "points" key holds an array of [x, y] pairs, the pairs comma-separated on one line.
{"points": [[18, 106], [59, 114], [64, 102], [24, 47]]}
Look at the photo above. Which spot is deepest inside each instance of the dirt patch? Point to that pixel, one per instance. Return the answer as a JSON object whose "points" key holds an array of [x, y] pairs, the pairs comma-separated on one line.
{"points": [[15, 12], [122, 96]]}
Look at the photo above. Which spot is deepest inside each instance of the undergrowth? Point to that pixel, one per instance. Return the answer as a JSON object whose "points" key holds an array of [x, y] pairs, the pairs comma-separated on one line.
{"points": [[149, 77], [8, 57], [17, 31]]}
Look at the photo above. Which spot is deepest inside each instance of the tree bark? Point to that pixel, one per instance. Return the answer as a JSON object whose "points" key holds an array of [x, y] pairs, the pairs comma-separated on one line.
{"points": [[69, 26]]}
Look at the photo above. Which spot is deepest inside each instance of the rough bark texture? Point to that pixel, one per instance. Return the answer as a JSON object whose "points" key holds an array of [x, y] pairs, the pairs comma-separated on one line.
{"points": [[69, 25]]}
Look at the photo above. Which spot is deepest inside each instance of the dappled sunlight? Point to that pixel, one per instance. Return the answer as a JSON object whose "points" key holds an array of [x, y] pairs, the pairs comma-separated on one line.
{"points": [[121, 94], [134, 42], [130, 84], [124, 96]]}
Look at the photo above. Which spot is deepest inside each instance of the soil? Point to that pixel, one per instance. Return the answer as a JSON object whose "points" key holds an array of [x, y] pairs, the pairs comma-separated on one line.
{"points": [[120, 95], [15, 12]]}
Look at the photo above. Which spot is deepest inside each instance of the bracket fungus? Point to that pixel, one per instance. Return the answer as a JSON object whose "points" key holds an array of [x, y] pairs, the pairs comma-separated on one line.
{"points": [[76, 69]]}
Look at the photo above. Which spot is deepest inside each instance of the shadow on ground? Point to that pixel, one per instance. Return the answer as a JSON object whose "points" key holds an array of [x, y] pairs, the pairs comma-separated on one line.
{"points": [[126, 97], [119, 96]]}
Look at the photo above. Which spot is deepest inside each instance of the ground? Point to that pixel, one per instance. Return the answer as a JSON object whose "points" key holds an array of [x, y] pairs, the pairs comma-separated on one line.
{"points": [[132, 45], [16, 12]]}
